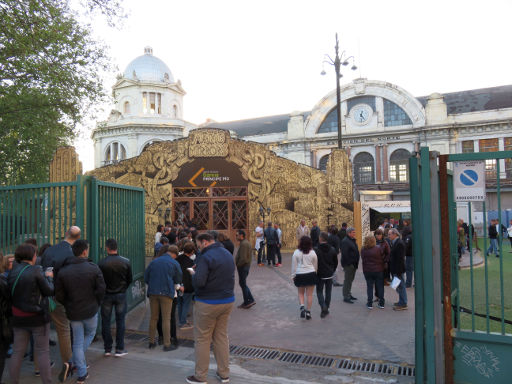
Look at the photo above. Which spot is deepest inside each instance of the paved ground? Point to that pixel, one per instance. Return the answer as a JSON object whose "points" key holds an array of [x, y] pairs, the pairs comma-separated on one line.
{"points": [[157, 367], [351, 330]]}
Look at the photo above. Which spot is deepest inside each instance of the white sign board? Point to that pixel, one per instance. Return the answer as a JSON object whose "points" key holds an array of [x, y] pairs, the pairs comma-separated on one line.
{"points": [[469, 180]]}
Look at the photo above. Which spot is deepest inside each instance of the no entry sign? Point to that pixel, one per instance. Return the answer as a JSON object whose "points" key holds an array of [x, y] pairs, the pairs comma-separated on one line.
{"points": [[469, 180]]}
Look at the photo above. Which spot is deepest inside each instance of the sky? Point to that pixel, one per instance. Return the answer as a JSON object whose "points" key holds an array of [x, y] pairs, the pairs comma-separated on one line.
{"points": [[243, 59]]}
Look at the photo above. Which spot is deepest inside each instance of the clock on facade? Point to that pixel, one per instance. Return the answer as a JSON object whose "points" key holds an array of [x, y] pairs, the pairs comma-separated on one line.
{"points": [[361, 113]]}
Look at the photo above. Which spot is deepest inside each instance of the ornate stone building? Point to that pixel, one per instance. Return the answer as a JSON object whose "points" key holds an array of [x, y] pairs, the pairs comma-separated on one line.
{"points": [[382, 126], [219, 182], [148, 108]]}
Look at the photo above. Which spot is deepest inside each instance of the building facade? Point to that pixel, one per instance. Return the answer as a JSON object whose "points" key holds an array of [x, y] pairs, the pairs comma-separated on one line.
{"points": [[382, 125], [148, 108]]}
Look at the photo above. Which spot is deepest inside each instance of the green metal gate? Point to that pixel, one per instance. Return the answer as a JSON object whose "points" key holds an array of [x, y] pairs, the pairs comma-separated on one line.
{"points": [[463, 317], [102, 210]]}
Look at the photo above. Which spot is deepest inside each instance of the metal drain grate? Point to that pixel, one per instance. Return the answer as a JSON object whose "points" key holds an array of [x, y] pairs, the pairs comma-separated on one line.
{"points": [[375, 367], [254, 353], [305, 359], [313, 360]]}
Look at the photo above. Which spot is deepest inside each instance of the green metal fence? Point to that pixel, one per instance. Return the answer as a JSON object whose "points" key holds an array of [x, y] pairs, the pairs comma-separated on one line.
{"points": [[473, 341], [102, 210]]}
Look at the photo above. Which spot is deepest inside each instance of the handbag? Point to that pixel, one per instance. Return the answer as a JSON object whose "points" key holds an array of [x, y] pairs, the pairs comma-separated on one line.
{"points": [[51, 304]]}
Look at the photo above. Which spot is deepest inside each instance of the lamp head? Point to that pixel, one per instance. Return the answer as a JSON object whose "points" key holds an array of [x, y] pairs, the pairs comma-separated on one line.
{"points": [[354, 67], [323, 72]]}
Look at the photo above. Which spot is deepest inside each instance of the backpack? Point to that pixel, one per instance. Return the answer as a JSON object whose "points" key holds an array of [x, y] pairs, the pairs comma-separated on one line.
{"points": [[408, 245]]}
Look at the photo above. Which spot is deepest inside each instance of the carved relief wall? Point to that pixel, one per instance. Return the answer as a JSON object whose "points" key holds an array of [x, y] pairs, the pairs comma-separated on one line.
{"points": [[292, 191]]}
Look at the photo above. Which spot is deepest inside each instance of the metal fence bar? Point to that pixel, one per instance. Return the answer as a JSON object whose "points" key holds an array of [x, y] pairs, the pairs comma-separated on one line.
{"points": [[500, 247], [426, 243], [486, 271], [472, 280]]}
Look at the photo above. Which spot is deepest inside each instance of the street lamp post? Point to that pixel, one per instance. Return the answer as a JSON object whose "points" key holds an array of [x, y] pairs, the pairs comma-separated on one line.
{"points": [[337, 63]]}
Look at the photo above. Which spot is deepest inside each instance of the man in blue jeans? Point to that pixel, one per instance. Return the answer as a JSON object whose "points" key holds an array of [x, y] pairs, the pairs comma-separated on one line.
{"points": [[117, 273], [80, 288]]}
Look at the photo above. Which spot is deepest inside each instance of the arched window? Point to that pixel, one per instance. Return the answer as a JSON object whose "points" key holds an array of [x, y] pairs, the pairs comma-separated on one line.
{"points": [[399, 166], [115, 152], [322, 164], [364, 168], [126, 108], [174, 111], [394, 115], [330, 123]]}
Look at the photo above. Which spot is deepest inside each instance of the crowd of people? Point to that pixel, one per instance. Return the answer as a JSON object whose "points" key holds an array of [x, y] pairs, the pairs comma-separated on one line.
{"points": [[38, 285], [387, 259], [200, 267], [58, 284]]}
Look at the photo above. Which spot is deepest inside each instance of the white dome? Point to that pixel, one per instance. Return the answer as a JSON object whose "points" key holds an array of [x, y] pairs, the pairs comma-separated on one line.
{"points": [[148, 68]]}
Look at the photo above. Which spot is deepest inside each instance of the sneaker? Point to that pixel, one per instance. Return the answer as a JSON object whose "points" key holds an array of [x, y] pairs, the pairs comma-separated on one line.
{"points": [[81, 380], [186, 326], [381, 306], [323, 313], [369, 305], [65, 372], [400, 307], [107, 353], [121, 353], [278, 265], [308, 315], [152, 345], [251, 304], [259, 265], [302, 312], [222, 379], [194, 380], [348, 301], [353, 298], [241, 306]]}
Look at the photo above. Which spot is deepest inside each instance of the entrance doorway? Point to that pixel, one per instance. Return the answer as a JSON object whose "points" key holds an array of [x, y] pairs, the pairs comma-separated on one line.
{"points": [[223, 209]]}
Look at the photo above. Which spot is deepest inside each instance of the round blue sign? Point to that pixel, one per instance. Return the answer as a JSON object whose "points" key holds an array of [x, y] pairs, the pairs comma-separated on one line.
{"points": [[469, 177]]}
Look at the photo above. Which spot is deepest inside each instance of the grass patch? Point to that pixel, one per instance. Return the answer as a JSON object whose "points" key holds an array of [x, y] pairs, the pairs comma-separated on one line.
{"points": [[494, 292]]}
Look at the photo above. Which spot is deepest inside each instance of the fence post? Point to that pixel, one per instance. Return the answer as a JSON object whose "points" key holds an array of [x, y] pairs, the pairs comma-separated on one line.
{"points": [[418, 271], [94, 234]]}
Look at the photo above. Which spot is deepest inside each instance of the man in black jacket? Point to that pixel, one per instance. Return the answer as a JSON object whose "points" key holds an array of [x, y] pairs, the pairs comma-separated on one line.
{"points": [[327, 263], [271, 239], [314, 233], [409, 260], [397, 267], [56, 257], [117, 273], [349, 262], [80, 288]]}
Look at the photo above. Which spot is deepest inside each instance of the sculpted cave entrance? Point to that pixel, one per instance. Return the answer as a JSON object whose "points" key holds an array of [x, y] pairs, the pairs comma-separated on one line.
{"points": [[211, 194]]}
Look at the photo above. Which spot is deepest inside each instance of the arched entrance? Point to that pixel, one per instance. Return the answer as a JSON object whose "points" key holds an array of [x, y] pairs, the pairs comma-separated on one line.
{"points": [[211, 194]]}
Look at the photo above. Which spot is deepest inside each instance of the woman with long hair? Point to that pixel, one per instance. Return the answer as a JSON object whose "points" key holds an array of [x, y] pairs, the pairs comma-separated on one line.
{"points": [[304, 269], [380, 238], [373, 268]]}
